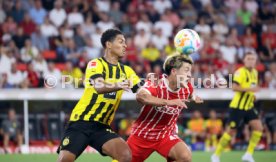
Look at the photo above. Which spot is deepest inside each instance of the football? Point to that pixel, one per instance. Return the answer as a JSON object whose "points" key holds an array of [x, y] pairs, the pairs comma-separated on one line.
{"points": [[187, 41]]}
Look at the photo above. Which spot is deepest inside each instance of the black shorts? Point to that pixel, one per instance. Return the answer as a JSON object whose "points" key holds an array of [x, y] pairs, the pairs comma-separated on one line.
{"points": [[237, 117], [80, 134]]}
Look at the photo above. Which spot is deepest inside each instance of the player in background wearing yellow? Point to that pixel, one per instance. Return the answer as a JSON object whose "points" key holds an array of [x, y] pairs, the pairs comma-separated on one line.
{"points": [[105, 80], [245, 84]]}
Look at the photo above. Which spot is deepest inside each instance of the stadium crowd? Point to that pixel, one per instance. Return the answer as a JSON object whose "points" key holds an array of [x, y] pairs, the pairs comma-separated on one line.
{"points": [[42, 38]]}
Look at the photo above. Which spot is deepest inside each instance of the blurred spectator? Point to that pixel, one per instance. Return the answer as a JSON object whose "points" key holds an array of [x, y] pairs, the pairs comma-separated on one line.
{"points": [[131, 50], [165, 25], [189, 15], [169, 48], [196, 127], [75, 17], [15, 78], [220, 27], [69, 51], [47, 29], [72, 75], [15, 53], [251, 6], [115, 13], [92, 51], [105, 22], [88, 26], [162, 5], [265, 14], [38, 13], [2, 14], [28, 52], [12, 131], [141, 39], [17, 12], [228, 51], [28, 25], [40, 41], [19, 38], [79, 36], [150, 53], [172, 17], [250, 38], [103, 5], [57, 15], [159, 40], [269, 38], [40, 65], [33, 77], [53, 72], [244, 14], [270, 77], [9, 26], [214, 128], [202, 27], [126, 27], [6, 60], [96, 38], [144, 24]]}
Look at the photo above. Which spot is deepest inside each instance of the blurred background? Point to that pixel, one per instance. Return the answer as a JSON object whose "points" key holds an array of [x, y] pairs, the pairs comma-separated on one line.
{"points": [[40, 38]]}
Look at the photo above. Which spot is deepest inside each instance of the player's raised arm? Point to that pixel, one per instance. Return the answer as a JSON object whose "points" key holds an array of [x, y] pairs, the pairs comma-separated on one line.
{"points": [[144, 97]]}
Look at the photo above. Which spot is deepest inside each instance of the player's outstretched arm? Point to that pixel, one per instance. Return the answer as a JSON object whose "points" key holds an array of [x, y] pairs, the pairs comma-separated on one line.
{"points": [[144, 97], [103, 87], [237, 87]]}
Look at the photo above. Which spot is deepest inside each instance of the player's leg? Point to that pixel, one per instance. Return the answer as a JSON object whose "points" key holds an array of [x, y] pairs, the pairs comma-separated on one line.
{"points": [[19, 141], [118, 149], [6, 140], [180, 153], [257, 129], [75, 140], [174, 149], [140, 149], [108, 143], [235, 121]]}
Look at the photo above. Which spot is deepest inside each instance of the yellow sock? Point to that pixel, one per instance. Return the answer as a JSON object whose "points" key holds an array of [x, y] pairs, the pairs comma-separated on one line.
{"points": [[223, 142], [254, 140], [114, 160], [207, 143], [214, 140]]}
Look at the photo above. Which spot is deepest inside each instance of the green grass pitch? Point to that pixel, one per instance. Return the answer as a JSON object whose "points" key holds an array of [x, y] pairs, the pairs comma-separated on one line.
{"points": [[235, 156]]}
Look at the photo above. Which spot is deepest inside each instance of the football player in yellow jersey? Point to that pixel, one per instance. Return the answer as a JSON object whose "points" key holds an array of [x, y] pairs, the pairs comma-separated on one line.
{"points": [[89, 125], [245, 84]]}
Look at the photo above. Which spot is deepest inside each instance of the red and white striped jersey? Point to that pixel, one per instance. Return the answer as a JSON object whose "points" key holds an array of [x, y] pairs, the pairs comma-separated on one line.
{"points": [[157, 122]]}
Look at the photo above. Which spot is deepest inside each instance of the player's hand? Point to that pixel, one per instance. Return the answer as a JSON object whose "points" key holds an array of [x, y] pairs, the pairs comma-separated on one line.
{"points": [[125, 85], [255, 89], [177, 102], [198, 100]]}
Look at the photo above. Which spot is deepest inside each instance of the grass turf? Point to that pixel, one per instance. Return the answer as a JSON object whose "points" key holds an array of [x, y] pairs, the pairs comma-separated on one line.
{"points": [[235, 156]]}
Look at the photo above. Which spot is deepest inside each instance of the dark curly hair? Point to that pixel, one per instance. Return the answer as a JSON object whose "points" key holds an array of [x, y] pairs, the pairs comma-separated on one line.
{"points": [[109, 35]]}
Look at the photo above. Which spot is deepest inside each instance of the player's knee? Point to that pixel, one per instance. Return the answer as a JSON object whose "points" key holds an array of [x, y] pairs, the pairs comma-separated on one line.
{"points": [[124, 156], [185, 157], [64, 159]]}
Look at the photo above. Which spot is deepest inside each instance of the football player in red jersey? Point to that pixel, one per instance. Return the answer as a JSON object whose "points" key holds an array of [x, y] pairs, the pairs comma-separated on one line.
{"points": [[154, 130]]}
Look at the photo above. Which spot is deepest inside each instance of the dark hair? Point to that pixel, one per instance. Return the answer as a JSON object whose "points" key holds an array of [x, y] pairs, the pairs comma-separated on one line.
{"points": [[109, 35], [249, 53], [175, 61]]}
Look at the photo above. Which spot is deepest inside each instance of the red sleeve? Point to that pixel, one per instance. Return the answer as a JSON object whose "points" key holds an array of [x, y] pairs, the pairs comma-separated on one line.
{"points": [[150, 87], [191, 88]]}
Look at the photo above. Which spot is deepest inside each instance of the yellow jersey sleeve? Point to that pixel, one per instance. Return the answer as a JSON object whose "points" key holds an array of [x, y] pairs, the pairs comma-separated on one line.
{"points": [[135, 80], [239, 76], [93, 70]]}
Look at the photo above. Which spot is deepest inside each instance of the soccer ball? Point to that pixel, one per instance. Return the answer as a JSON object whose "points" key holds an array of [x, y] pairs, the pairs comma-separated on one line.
{"points": [[187, 41]]}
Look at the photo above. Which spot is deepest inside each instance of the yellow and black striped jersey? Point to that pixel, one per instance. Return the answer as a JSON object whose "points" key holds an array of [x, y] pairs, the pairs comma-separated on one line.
{"points": [[101, 107], [246, 79]]}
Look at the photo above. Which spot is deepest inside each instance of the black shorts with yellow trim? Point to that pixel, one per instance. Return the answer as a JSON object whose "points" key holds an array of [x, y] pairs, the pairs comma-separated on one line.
{"points": [[238, 117], [80, 134]]}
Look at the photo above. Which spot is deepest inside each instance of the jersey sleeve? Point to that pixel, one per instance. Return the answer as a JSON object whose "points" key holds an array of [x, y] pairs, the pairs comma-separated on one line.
{"points": [[132, 76], [238, 76], [150, 88], [94, 70]]}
